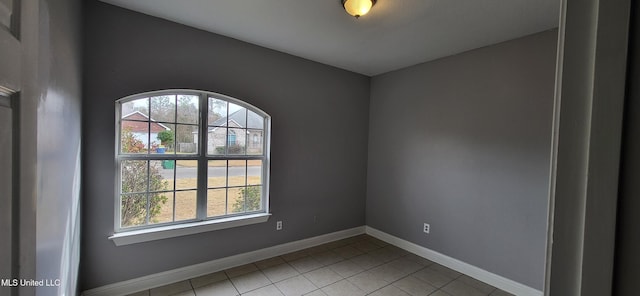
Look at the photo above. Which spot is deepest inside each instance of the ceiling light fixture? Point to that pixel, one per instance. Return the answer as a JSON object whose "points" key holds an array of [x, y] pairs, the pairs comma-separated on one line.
{"points": [[358, 8]]}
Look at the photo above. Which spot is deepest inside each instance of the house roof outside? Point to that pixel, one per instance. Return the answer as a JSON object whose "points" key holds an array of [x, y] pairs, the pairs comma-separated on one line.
{"points": [[137, 122], [254, 120]]}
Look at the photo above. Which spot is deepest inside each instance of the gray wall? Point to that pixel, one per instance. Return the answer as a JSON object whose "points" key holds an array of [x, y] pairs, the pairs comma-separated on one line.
{"points": [[463, 143], [627, 258], [319, 136], [58, 145]]}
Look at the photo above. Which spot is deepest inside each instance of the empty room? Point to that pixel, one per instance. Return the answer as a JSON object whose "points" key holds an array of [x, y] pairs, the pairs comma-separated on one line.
{"points": [[325, 148]]}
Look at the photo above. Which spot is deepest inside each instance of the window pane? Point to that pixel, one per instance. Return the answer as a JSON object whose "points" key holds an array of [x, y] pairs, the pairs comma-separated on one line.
{"points": [[163, 108], [244, 199], [135, 109], [217, 112], [163, 142], [166, 170], [134, 137], [237, 116], [235, 200], [217, 174], [217, 140], [236, 141], [186, 174], [237, 172], [188, 109], [160, 207], [133, 210], [160, 179], [216, 202], [185, 205], [253, 198], [254, 172], [254, 142], [134, 176], [160, 131], [255, 121], [187, 137]]}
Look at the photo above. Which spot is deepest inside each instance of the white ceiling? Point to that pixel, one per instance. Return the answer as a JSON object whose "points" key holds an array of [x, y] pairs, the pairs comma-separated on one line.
{"points": [[394, 35]]}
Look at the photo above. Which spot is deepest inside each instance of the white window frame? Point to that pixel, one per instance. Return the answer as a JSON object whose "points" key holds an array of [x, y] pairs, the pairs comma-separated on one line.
{"points": [[202, 223]]}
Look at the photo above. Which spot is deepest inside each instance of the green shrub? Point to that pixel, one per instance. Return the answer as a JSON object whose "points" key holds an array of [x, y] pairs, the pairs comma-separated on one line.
{"points": [[165, 137], [252, 197], [233, 149], [133, 209]]}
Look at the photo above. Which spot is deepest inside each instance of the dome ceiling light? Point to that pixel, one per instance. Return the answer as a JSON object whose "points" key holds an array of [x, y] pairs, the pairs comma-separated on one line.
{"points": [[358, 8]]}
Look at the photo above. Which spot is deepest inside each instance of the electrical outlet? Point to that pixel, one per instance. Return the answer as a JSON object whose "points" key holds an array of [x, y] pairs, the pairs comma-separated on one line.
{"points": [[279, 225], [427, 228]]}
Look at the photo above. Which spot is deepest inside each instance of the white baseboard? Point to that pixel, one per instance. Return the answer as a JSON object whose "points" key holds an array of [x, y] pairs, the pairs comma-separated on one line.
{"points": [[495, 280], [185, 273]]}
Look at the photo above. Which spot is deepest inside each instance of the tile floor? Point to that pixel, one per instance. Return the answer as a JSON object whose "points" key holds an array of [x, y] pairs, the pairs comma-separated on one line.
{"points": [[360, 265]]}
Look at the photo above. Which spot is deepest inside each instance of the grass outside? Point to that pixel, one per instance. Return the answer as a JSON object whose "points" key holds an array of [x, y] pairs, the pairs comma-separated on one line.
{"points": [[217, 202]]}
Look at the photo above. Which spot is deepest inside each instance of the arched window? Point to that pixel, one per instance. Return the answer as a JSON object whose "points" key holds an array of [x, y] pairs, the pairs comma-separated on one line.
{"points": [[170, 172]]}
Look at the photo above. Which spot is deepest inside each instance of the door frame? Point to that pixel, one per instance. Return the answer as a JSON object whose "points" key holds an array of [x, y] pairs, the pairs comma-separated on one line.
{"points": [[587, 129]]}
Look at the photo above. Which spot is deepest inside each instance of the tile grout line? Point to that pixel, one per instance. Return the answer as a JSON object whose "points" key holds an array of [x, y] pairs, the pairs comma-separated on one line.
{"points": [[348, 259], [232, 283], [192, 288]]}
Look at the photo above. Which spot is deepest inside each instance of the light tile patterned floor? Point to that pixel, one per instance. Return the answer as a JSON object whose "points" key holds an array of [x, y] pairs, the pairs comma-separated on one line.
{"points": [[360, 265]]}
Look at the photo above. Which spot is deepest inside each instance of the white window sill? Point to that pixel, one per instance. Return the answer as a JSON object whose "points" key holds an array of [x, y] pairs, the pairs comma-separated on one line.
{"points": [[157, 233]]}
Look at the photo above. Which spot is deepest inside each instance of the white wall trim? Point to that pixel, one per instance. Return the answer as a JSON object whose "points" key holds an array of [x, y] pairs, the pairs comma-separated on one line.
{"points": [[495, 280], [187, 272], [169, 231]]}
